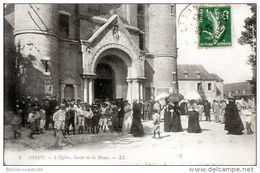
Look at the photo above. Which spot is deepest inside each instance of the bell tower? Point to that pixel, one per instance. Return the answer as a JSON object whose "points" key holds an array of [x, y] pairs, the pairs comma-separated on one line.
{"points": [[161, 43], [36, 41]]}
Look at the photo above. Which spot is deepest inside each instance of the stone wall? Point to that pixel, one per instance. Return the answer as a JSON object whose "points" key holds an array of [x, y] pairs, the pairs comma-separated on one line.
{"points": [[190, 85]]}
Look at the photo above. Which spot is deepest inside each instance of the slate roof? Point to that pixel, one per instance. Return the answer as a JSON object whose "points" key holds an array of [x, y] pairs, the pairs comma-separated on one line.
{"points": [[195, 72], [238, 88]]}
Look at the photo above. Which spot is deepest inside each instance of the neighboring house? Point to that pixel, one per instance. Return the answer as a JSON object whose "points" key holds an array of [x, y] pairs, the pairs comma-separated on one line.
{"points": [[197, 78], [238, 90]]}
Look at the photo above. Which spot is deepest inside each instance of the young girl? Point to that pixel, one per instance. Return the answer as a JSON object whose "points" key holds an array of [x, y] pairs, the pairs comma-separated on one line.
{"points": [[156, 123], [248, 124]]}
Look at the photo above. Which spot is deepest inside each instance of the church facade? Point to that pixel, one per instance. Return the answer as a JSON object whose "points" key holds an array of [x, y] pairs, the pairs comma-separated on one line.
{"points": [[93, 51]]}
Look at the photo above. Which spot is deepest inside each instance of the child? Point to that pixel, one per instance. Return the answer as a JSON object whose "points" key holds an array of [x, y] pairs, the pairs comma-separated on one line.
{"points": [[156, 123], [248, 124], [81, 117], [42, 119], [88, 119], [59, 125], [16, 121], [103, 122], [32, 117]]}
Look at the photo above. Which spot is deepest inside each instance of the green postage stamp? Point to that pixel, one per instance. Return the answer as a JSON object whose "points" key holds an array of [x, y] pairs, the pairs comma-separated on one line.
{"points": [[214, 26]]}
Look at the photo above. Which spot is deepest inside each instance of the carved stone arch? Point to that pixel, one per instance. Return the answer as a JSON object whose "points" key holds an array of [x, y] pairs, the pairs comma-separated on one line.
{"points": [[69, 80], [103, 48]]}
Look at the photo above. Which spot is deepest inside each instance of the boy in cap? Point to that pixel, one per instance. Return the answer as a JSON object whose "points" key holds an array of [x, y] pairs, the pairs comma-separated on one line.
{"points": [[156, 123]]}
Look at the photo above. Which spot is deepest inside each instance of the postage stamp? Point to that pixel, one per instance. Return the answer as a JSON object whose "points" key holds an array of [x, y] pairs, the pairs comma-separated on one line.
{"points": [[214, 26]]}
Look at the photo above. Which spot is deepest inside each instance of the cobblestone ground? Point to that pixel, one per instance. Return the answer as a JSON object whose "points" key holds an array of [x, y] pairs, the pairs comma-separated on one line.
{"points": [[211, 147]]}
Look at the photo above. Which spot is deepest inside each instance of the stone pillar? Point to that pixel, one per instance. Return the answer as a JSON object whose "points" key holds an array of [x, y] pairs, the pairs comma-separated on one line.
{"points": [[88, 87], [85, 90], [75, 91], [91, 91], [152, 93], [129, 90], [62, 88], [135, 90], [141, 91]]}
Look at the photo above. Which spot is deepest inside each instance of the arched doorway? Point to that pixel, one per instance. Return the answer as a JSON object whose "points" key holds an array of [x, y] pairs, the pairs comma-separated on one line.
{"points": [[69, 91], [104, 85], [111, 73]]}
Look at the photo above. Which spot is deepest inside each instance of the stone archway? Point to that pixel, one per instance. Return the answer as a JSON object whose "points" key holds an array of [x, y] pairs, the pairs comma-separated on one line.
{"points": [[128, 84]]}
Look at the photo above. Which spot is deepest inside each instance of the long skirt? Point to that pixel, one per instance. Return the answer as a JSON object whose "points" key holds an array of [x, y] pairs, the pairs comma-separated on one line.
{"points": [[127, 122], [167, 121], [176, 123], [137, 128], [193, 123]]}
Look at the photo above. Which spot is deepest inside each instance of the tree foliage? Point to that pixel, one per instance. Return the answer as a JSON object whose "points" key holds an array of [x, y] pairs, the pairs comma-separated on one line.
{"points": [[249, 37]]}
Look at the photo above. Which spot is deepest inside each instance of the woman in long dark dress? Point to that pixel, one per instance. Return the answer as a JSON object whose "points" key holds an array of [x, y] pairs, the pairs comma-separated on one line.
{"points": [[193, 121], [233, 123], [176, 119], [137, 127], [167, 117]]}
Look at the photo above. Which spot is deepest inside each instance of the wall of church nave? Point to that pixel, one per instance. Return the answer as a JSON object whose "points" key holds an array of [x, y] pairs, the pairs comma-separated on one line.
{"points": [[70, 61]]}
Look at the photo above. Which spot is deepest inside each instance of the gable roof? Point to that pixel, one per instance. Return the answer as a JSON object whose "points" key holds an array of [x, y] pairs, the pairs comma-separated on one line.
{"points": [[195, 72], [216, 77], [109, 22]]}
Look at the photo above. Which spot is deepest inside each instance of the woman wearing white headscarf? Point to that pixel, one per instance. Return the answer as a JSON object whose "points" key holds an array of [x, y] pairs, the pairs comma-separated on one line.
{"points": [[128, 118]]}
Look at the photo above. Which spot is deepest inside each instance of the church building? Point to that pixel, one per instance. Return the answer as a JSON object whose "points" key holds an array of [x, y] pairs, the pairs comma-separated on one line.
{"points": [[91, 51]]}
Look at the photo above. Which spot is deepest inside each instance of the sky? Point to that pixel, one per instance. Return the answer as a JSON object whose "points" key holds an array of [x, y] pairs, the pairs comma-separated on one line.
{"points": [[229, 63]]}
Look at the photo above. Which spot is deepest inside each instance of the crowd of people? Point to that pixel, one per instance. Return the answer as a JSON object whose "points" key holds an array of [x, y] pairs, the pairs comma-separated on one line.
{"points": [[115, 115], [71, 117], [226, 112]]}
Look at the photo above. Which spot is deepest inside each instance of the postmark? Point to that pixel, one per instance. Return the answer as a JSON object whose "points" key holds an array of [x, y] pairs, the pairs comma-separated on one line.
{"points": [[214, 26]]}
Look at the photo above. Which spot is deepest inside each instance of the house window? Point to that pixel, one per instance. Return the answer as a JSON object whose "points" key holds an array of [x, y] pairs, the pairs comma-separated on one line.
{"points": [[140, 9], [199, 86], [172, 9], [46, 65], [209, 86], [64, 25], [186, 74], [141, 41], [174, 77]]}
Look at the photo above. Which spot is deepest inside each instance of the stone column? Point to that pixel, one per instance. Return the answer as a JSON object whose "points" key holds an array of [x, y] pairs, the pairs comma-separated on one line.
{"points": [[88, 87], [152, 93], [135, 90], [129, 90], [62, 88], [85, 90], [141, 91], [91, 91], [75, 91]]}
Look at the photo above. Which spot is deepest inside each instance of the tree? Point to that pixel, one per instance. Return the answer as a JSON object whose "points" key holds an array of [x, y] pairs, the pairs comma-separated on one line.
{"points": [[249, 37]]}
